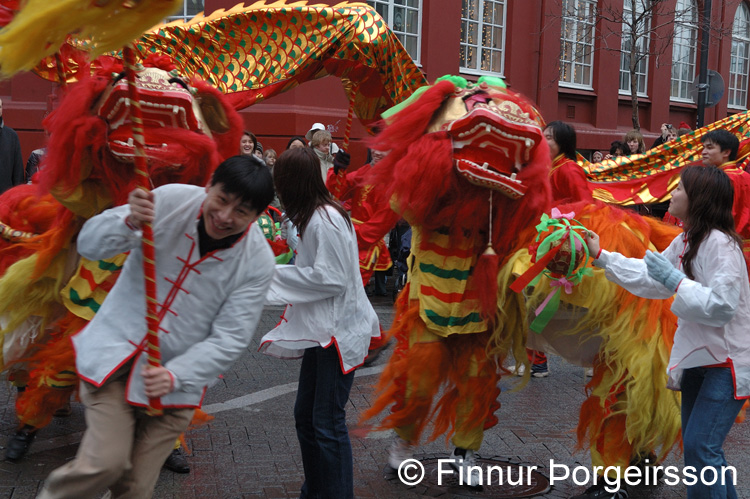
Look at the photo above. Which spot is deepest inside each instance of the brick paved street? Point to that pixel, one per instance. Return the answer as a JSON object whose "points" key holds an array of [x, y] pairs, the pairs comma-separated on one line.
{"points": [[250, 448]]}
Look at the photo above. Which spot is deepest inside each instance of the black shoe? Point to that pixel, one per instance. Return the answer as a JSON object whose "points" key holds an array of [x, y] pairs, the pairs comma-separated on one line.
{"points": [[176, 462], [372, 355], [19, 444], [64, 411], [599, 491]]}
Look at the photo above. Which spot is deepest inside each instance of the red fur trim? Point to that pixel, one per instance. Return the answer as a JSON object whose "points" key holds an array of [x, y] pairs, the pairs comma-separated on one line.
{"points": [[78, 144], [37, 404], [410, 124], [163, 62], [447, 360], [24, 208], [105, 65], [419, 172]]}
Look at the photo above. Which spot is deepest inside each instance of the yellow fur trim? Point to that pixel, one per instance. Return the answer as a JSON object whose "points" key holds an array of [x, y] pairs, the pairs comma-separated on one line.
{"points": [[636, 341], [42, 26], [22, 298]]}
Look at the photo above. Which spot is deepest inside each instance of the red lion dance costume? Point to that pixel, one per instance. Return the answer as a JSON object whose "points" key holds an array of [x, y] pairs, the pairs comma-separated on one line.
{"points": [[441, 172], [47, 291], [468, 169]]}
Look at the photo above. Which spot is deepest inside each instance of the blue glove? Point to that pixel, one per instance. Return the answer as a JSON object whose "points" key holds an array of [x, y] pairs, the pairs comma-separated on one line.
{"points": [[660, 269]]}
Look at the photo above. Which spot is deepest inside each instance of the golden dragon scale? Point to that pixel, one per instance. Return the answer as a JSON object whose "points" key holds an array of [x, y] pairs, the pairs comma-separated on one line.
{"points": [[651, 177], [253, 53]]}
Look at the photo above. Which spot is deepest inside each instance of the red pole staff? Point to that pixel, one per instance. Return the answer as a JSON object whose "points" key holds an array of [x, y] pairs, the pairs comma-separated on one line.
{"points": [[350, 117], [149, 268]]}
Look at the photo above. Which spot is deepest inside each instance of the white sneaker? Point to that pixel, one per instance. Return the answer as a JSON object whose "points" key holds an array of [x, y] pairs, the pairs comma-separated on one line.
{"points": [[468, 472], [537, 370], [400, 451]]}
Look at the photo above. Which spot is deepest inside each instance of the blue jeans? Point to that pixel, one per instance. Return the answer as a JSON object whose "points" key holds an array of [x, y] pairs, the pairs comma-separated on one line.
{"points": [[320, 418], [708, 412]]}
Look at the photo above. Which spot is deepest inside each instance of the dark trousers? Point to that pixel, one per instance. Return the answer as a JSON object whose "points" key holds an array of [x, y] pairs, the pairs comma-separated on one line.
{"points": [[320, 419]]}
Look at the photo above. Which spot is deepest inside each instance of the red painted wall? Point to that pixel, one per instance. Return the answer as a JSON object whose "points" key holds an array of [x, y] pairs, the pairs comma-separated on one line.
{"points": [[531, 67]]}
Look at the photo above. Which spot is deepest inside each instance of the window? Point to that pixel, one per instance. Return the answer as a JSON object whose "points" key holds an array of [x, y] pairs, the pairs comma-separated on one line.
{"points": [[640, 25], [577, 42], [738, 65], [683, 49], [483, 36], [188, 10], [404, 18]]}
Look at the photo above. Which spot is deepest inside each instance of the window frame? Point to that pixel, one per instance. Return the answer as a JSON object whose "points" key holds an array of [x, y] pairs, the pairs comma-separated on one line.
{"points": [[576, 22], [402, 34], [744, 40], [690, 26], [184, 16], [626, 11], [479, 46]]}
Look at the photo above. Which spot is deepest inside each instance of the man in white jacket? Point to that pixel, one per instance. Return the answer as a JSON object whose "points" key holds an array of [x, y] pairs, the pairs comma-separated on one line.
{"points": [[213, 269]]}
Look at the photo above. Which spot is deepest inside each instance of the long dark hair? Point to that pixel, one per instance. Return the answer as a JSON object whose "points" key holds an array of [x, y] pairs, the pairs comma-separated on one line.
{"points": [[565, 136], [710, 197], [300, 186]]}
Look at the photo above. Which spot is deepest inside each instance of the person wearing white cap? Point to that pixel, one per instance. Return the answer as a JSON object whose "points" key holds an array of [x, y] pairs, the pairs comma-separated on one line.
{"points": [[313, 129]]}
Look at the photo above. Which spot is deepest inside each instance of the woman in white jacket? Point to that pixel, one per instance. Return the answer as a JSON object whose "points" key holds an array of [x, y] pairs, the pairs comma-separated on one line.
{"points": [[328, 322], [705, 270]]}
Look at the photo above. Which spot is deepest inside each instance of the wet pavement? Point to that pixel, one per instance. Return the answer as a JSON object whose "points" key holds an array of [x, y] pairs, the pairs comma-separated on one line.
{"points": [[250, 447]]}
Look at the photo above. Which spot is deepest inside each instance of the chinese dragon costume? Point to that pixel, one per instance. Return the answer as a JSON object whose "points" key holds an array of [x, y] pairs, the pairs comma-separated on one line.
{"points": [[88, 167], [468, 169], [241, 55]]}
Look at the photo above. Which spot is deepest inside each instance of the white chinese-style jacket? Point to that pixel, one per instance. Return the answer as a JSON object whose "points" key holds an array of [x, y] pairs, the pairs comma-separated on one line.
{"points": [[713, 310], [326, 301], [208, 307]]}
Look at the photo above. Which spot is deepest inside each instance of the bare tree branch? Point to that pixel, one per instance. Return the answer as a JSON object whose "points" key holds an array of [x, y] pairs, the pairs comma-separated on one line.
{"points": [[626, 27]]}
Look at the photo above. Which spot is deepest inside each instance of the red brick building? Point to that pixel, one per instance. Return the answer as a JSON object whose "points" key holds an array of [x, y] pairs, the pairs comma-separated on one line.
{"points": [[557, 52]]}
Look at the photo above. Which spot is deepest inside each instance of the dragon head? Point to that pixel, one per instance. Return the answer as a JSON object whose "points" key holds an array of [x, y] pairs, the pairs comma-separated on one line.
{"points": [[493, 136], [188, 129], [166, 102], [454, 145]]}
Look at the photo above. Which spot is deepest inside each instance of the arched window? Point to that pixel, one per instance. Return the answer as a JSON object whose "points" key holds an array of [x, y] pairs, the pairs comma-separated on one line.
{"points": [[577, 43], [738, 65], [640, 25], [189, 9], [683, 49], [483, 36], [404, 19]]}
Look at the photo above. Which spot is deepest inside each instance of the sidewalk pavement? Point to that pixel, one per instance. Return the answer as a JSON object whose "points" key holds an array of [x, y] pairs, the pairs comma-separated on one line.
{"points": [[250, 449]]}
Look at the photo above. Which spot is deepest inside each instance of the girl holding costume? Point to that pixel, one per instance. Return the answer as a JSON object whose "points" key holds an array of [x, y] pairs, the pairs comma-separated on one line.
{"points": [[710, 360], [329, 322]]}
